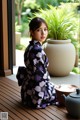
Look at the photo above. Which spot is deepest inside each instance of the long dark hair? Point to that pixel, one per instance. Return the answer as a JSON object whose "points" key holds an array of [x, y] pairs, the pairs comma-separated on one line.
{"points": [[36, 22]]}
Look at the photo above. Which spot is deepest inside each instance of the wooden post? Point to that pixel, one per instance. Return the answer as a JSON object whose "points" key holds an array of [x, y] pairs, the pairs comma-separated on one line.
{"points": [[4, 61]]}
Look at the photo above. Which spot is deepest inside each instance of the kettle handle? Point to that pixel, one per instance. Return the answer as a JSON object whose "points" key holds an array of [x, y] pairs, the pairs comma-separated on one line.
{"points": [[78, 91]]}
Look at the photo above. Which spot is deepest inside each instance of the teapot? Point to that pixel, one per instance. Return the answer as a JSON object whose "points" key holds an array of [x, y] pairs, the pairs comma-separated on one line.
{"points": [[72, 103]]}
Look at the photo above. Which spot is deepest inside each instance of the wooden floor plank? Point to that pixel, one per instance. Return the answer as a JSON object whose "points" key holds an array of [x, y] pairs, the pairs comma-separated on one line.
{"points": [[17, 104], [57, 114], [9, 112], [49, 117], [9, 87], [1, 110], [20, 109], [12, 84], [12, 109], [10, 91], [58, 110], [10, 101], [49, 114], [42, 114], [10, 95]]}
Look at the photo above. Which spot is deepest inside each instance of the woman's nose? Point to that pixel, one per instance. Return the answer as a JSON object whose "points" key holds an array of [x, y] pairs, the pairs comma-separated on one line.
{"points": [[43, 31]]}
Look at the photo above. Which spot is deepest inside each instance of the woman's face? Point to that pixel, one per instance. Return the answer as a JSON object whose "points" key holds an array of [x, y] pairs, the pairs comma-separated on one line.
{"points": [[40, 34]]}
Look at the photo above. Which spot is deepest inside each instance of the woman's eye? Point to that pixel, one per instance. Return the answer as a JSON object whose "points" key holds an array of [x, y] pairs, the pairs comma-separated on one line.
{"points": [[45, 29], [38, 30]]}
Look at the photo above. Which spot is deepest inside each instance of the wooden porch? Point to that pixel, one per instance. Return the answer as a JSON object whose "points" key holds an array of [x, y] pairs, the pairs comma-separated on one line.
{"points": [[10, 102]]}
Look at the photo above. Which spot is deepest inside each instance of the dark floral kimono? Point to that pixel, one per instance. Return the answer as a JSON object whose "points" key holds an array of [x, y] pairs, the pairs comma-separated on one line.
{"points": [[36, 89]]}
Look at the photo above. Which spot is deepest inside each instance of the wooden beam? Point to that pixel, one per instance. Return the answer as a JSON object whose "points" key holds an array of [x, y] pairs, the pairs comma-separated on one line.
{"points": [[4, 66]]}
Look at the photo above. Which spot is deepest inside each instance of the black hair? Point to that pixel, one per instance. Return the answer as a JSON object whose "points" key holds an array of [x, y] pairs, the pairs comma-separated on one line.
{"points": [[36, 22]]}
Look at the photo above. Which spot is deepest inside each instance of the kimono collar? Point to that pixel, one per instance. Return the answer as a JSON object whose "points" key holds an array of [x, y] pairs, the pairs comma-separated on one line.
{"points": [[35, 42]]}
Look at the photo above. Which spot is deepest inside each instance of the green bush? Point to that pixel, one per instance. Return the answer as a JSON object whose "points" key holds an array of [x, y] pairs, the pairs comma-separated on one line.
{"points": [[61, 22], [76, 70], [20, 47]]}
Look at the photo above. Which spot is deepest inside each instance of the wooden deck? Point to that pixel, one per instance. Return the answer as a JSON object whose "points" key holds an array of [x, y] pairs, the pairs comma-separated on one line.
{"points": [[10, 101]]}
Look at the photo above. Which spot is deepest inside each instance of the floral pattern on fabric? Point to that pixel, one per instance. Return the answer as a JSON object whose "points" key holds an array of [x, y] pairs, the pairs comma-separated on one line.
{"points": [[36, 90]]}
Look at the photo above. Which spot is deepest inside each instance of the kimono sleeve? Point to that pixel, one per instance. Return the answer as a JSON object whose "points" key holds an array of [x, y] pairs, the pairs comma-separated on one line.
{"points": [[40, 63]]}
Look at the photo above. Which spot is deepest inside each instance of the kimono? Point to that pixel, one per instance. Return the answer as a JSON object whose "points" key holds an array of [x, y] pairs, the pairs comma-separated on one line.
{"points": [[36, 89]]}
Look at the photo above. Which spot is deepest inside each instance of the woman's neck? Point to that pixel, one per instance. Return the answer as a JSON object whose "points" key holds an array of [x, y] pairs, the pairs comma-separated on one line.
{"points": [[37, 41]]}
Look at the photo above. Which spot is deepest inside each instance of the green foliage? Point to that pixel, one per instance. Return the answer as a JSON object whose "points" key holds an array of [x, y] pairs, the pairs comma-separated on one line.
{"points": [[26, 8], [61, 22], [76, 70], [18, 28], [31, 6], [18, 5], [42, 4], [23, 28], [20, 47]]}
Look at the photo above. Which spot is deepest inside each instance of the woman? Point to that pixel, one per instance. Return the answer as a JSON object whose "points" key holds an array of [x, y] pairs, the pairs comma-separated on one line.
{"points": [[36, 91]]}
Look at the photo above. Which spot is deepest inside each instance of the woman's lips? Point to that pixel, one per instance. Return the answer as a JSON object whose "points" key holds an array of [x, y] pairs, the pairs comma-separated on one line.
{"points": [[42, 37]]}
